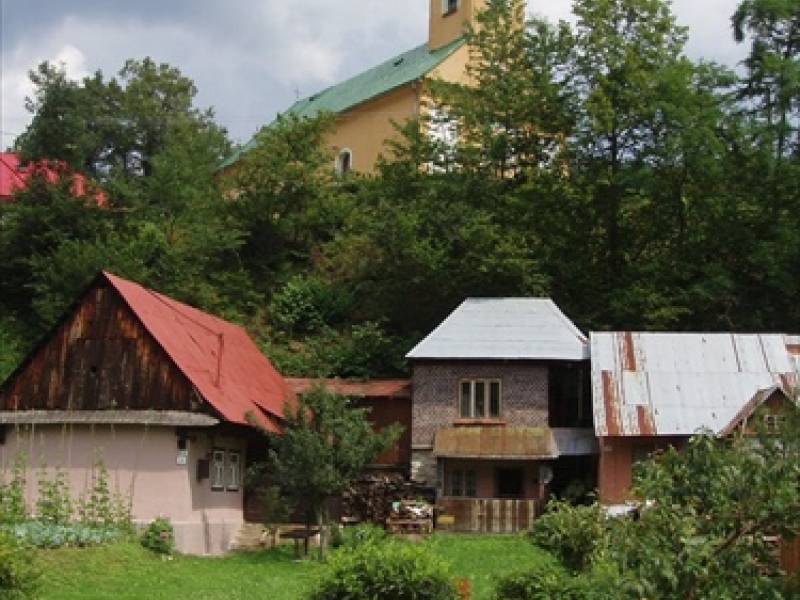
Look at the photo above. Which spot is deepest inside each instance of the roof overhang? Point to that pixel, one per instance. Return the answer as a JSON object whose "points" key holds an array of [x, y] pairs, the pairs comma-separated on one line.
{"points": [[493, 442], [152, 418]]}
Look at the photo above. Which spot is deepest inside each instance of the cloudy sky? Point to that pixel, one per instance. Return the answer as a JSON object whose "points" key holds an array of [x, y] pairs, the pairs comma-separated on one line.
{"points": [[251, 58]]}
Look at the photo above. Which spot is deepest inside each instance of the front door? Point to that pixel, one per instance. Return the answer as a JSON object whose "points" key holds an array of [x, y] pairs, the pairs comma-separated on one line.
{"points": [[510, 483]]}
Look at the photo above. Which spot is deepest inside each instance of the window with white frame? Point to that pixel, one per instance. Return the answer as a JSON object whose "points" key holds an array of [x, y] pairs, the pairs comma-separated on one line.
{"points": [[463, 482], [218, 470], [480, 399], [449, 6], [233, 471]]}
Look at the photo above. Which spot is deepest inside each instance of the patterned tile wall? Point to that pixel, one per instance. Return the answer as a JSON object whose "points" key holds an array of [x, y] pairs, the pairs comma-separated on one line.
{"points": [[435, 386]]}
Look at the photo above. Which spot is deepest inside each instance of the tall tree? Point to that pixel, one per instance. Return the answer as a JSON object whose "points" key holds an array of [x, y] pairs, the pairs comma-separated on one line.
{"points": [[772, 79], [623, 47], [288, 199], [510, 114]]}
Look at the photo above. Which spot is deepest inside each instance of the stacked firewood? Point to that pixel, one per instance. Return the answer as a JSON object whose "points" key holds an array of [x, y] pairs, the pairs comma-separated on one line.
{"points": [[410, 516], [370, 499]]}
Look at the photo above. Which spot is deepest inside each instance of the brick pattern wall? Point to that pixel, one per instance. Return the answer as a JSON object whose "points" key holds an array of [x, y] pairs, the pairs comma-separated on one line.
{"points": [[523, 395], [423, 467]]}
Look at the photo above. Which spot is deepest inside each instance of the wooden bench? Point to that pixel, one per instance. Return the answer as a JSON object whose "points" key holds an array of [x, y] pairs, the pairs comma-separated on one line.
{"points": [[297, 535]]}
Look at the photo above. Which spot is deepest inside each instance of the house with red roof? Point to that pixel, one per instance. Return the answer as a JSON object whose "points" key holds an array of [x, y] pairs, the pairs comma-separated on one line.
{"points": [[15, 175], [163, 394]]}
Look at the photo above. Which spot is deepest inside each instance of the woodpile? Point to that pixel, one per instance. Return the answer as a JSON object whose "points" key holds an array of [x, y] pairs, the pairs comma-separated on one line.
{"points": [[370, 499], [410, 516]]}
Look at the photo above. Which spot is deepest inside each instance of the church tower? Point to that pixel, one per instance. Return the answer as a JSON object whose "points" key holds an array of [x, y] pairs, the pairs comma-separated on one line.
{"points": [[448, 18]]}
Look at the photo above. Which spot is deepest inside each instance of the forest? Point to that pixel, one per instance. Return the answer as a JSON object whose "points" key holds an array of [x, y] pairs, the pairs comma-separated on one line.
{"points": [[594, 163]]}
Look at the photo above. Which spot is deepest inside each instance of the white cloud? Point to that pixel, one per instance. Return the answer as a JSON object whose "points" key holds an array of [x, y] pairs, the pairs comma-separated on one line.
{"points": [[249, 58]]}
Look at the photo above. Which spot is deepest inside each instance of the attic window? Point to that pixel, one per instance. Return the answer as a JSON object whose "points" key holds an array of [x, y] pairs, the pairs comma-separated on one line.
{"points": [[773, 422], [449, 6], [344, 161]]}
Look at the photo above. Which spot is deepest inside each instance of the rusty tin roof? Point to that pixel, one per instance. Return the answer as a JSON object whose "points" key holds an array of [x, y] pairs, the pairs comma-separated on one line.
{"points": [[504, 329], [678, 383], [508, 443], [218, 357]]}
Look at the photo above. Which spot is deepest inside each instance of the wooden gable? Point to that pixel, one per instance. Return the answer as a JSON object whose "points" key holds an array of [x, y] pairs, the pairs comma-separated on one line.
{"points": [[99, 357]]}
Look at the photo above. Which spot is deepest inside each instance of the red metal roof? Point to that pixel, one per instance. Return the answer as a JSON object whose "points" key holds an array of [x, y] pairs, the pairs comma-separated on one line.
{"points": [[218, 357], [14, 176], [388, 388]]}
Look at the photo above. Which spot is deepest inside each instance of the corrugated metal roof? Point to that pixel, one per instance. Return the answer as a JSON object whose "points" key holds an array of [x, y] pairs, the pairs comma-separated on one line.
{"points": [[391, 388], [397, 71], [218, 357], [504, 328], [509, 443], [679, 383]]}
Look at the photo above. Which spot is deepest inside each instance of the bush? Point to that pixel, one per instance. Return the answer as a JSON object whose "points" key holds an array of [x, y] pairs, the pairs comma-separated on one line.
{"points": [[570, 533], [391, 570], [20, 577], [543, 582], [159, 536], [553, 582], [356, 535]]}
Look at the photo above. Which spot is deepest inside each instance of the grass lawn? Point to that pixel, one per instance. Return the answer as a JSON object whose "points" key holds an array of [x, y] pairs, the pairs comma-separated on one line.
{"points": [[126, 570]]}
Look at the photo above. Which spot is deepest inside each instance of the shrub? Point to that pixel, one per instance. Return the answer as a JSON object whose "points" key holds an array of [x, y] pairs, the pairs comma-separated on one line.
{"points": [[13, 508], [543, 582], [99, 507], [20, 576], [391, 570], [356, 535], [159, 536], [571, 533], [54, 504]]}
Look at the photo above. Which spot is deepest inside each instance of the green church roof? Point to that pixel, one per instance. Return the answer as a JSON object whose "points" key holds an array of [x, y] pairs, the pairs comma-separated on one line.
{"points": [[394, 73]]}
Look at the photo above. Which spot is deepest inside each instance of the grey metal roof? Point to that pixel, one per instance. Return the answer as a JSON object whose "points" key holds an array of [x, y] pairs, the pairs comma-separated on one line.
{"points": [[679, 383], [504, 328]]}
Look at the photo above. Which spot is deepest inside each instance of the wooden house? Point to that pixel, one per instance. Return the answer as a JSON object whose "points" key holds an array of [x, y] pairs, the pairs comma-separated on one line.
{"points": [[162, 393], [502, 412]]}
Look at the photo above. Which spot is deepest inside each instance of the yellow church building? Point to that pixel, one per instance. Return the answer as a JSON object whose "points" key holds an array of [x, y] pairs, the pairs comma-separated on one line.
{"points": [[366, 105]]}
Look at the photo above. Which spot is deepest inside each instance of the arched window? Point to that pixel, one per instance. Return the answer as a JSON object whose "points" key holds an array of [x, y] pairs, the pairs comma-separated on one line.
{"points": [[344, 161]]}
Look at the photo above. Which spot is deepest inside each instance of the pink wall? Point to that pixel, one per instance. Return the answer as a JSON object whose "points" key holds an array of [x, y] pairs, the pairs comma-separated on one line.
{"points": [[142, 463]]}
